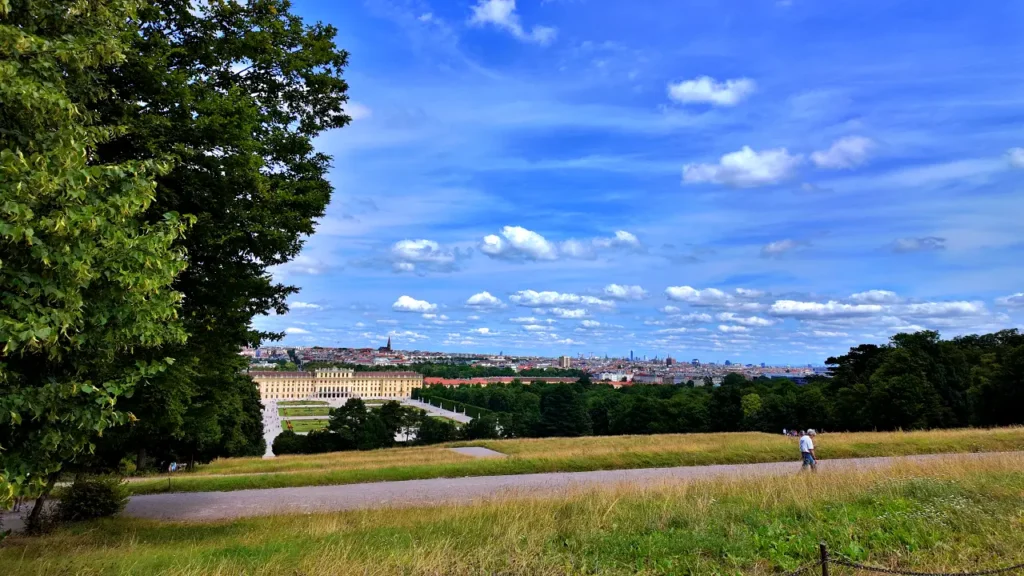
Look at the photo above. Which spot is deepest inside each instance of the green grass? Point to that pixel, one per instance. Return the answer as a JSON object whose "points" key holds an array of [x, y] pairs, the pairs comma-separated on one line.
{"points": [[305, 425], [301, 403], [949, 515], [285, 412], [570, 455]]}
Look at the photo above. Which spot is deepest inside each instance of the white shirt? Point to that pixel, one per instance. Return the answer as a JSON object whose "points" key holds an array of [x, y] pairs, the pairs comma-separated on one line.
{"points": [[806, 444]]}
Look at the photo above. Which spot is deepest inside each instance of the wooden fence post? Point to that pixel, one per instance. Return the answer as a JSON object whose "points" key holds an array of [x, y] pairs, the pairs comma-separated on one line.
{"points": [[823, 548]]}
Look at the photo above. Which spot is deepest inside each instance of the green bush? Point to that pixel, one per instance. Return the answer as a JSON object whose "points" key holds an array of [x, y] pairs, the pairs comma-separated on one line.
{"points": [[95, 497]]}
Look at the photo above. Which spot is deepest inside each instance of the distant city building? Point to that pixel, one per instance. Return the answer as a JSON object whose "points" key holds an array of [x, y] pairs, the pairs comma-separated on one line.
{"points": [[669, 361], [630, 355], [335, 383], [727, 363], [695, 362], [564, 362]]}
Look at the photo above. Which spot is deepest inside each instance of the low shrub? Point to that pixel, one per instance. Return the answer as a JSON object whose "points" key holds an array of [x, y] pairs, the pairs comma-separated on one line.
{"points": [[92, 497]]}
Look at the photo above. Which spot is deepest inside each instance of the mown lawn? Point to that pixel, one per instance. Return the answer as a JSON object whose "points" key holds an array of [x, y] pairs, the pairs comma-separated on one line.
{"points": [[284, 412], [301, 403], [305, 425], [573, 455], [948, 515]]}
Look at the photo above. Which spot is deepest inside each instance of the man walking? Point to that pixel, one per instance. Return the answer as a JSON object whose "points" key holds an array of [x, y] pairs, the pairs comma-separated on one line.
{"points": [[807, 450]]}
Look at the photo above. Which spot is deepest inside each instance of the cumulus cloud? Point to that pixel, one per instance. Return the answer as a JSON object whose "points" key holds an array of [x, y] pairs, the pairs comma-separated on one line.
{"points": [[748, 293], [1012, 301], [294, 330], [549, 299], [518, 243], [536, 328], [484, 331], [830, 309], [410, 304], [570, 313], [707, 90], [303, 306], [422, 255], [502, 14], [706, 297], [621, 292], [926, 243], [1016, 157], [745, 168], [828, 334], [484, 301], [733, 329], [844, 153], [778, 248], [669, 310], [941, 309], [875, 297], [523, 320], [748, 321], [590, 324]]}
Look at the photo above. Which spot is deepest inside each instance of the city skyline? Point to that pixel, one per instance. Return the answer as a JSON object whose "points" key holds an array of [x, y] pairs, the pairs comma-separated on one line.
{"points": [[756, 181]]}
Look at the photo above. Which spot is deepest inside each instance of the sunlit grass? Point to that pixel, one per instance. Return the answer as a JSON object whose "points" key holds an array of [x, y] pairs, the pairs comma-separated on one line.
{"points": [[283, 412], [571, 454], [305, 425], [946, 515]]}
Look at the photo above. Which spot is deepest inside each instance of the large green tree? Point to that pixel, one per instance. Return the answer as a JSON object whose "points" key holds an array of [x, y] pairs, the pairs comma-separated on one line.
{"points": [[85, 278], [235, 92]]}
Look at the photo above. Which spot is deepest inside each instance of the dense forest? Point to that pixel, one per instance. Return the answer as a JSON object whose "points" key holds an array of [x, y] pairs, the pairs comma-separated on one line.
{"points": [[916, 381]]}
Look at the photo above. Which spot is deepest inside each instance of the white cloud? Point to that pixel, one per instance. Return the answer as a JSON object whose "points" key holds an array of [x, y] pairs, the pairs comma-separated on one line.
{"points": [[590, 324], [875, 297], [1016, 157], [570, 313], [621, 292], [518, 243], [410, 304], [780, 247], [426, 17], [941, 309], [472, 317], [484, 331], [406, 255], [524, 320], [502, 13], [669, 309], [733, 329], [830, 309], [706, 90], [357, 111], [827, 334], [903, 245], [484, 301], [304, 306], [844, 153], [295, 331], [536, 328], [547, 299], [749, 321], [1012, 301], [745, 168], [672, 331], [748, 293], [388, 321], [706, 297]]}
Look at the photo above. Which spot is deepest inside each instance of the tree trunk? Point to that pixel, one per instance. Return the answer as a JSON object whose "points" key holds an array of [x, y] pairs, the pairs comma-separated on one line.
{"points": [[191, 461], [32, 524], [140, 460]]}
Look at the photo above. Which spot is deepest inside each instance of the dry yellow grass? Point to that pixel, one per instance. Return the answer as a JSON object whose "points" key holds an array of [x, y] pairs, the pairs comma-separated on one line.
{"points": [[949, 515], [419, 455]]}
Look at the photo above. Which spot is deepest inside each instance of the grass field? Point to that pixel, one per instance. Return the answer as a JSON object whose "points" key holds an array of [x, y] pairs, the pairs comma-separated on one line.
{"points": [[949, 515], [285, 412], [301, 403], [571, 454], [305, 425]]}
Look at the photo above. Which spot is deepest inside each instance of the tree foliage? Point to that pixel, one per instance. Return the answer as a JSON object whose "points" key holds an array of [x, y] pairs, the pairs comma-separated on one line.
{"points": [[86, 258]]}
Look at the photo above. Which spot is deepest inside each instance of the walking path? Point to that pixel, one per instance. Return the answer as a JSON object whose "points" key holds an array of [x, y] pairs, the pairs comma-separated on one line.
{"points": [[435, 411], [479, 452], [242, 503]]}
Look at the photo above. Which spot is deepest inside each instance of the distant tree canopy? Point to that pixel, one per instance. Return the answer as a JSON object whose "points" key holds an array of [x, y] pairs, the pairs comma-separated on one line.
{"points": [[441, 370], [915, 381]]}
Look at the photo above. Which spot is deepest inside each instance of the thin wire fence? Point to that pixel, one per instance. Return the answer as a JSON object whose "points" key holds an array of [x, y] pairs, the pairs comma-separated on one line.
{"points": [[827, 561]]}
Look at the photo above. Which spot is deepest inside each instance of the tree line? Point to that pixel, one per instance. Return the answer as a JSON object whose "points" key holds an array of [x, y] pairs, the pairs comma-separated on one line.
{"points": [[157, 158], [353, 426], [916, 381]]}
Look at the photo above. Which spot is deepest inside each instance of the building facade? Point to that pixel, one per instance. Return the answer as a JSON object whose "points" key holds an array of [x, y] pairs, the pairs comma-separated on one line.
{"points": [[335, 383]]}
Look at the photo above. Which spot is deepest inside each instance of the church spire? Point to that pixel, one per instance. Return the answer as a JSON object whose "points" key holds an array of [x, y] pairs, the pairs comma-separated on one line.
{"points": [[389, 344]]}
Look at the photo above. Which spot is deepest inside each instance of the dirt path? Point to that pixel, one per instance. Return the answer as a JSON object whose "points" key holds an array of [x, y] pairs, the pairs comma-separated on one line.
{"points": [[223, 505]]}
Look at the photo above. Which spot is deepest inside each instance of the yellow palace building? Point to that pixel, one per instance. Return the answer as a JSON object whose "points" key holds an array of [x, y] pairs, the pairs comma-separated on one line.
{"points": [[335, 383]]}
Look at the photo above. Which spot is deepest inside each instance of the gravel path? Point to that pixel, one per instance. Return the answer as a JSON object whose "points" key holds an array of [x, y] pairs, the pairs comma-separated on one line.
{"points": [[479, 452], [241, 503]]}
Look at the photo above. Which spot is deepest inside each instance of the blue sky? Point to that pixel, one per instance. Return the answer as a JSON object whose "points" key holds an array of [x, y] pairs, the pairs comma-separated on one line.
{"points": [[752, 180]]}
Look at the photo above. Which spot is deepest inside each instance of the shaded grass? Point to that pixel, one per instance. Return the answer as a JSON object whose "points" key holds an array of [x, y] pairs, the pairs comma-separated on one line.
{"points": [[305, 425], [949, 515], [572, 455], [325, 411]]}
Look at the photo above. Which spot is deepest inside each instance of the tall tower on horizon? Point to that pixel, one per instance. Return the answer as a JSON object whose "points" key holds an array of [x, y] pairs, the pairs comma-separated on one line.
{"points": [[389, 344]]}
